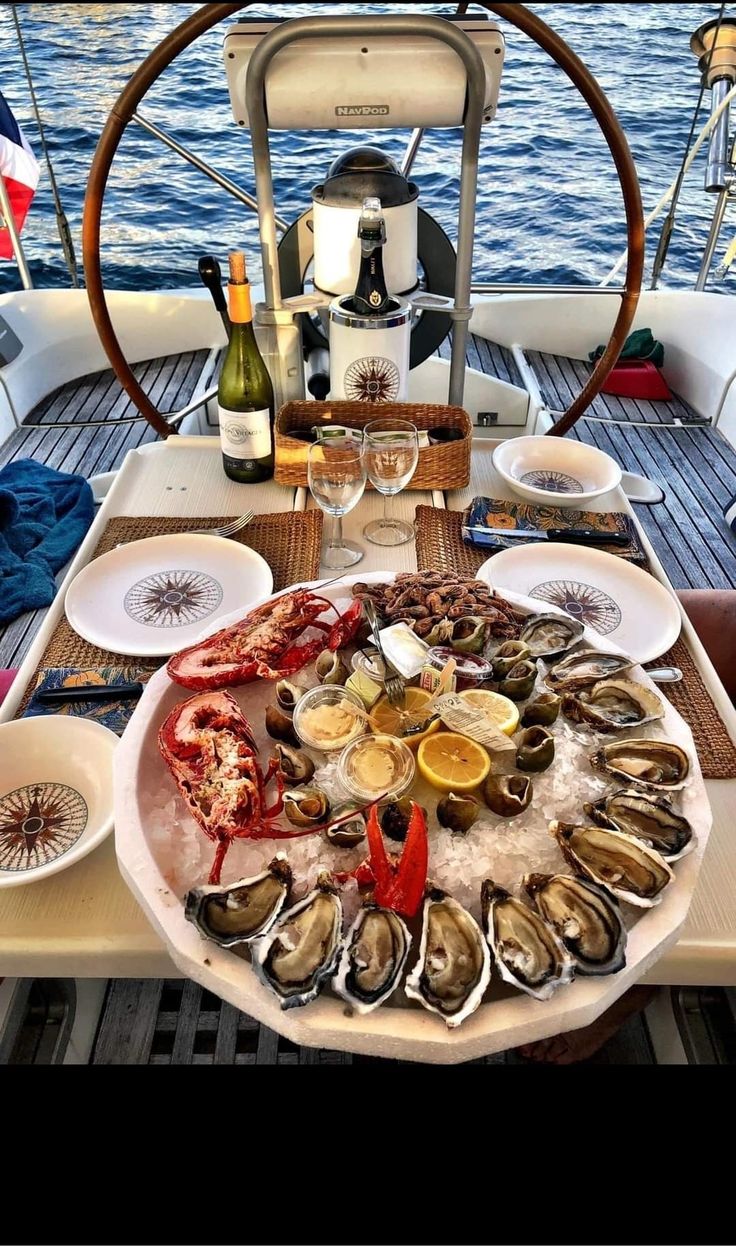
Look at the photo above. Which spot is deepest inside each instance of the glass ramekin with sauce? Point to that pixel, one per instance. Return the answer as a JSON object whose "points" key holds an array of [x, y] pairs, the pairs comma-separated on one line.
{"points": [[329, 717], [376, 766]]}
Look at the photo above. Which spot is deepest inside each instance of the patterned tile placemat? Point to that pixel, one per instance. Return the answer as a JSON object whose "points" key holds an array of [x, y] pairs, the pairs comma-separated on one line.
{"points": [[290, 542], [440, 547]]}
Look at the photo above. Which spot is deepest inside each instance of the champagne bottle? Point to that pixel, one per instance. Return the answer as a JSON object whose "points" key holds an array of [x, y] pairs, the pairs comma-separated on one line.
{"points": [[371, 296], [245, 393]]}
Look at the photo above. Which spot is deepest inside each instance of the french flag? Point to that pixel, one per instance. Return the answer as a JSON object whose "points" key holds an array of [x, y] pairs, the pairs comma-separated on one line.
{"points": [[19, 168]]}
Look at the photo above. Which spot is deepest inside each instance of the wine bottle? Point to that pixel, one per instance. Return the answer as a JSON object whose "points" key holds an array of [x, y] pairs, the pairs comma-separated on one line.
{"points": [[245, 393], [371, 297]]}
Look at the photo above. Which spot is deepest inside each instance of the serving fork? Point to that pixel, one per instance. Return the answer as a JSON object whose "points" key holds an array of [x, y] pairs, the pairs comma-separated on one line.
{"points": [[394, 683]]}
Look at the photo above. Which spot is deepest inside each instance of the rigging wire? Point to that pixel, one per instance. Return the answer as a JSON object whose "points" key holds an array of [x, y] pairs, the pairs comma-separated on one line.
{"points": [[658, 208], [669, 222], [62, 223]]}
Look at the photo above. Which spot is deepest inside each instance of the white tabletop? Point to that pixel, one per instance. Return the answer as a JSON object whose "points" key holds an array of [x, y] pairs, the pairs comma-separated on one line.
{"points": [[85, 923]]}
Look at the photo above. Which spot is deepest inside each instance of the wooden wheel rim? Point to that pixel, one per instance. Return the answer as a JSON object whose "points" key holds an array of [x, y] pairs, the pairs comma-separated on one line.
{"points": [[207, 17]]}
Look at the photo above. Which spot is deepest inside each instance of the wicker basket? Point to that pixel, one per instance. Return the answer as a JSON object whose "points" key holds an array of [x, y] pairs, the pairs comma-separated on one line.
{"points": [[440, 467]]}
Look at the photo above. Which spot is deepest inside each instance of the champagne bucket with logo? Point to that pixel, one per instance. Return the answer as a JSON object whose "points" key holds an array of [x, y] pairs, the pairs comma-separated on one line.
{"points": [[369, 355]]}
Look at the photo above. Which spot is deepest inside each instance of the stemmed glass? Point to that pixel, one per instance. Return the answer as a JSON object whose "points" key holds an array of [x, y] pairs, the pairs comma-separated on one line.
{"points": [[337, 482], [391, 455]]}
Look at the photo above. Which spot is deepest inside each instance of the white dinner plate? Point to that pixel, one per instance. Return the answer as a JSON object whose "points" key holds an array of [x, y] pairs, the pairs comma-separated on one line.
{"points": [[152, 598], [620, 601]]}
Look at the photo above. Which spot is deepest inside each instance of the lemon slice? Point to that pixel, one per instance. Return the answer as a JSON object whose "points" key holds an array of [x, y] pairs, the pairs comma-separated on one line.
{"points": [[390, 720], [500, 710], [452, 762]]}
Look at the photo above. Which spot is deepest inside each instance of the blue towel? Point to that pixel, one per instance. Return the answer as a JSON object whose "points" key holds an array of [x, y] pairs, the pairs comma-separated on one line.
{"points": [[44, 516]]}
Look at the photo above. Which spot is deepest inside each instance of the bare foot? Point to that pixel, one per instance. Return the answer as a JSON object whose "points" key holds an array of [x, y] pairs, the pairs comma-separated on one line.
{"points": [[582, 1044]]}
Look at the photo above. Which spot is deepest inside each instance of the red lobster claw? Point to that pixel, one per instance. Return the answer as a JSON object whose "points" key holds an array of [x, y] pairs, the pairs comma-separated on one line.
{"points": [[399, 885]]}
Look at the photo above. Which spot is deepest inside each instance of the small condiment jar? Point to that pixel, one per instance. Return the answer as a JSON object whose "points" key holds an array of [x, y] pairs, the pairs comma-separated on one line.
{"points": [[470, 670]]}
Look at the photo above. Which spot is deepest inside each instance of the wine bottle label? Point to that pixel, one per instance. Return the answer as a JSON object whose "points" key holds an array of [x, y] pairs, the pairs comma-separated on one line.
{"points": [[245, 435]]}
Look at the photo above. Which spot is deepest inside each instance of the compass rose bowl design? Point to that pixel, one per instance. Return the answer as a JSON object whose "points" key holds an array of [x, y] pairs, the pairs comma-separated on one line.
{"points": [[38, 824], [372, 380], [173, 599], [589, 605], [555, 482]]}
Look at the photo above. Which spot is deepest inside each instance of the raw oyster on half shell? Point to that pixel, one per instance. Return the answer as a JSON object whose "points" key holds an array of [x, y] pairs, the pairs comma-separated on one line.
{"points": [[619, 863], [612, 705], [586, 667], [242, 911], [298, 955], [373, 958], [586, 919], [648, 818], [454, 966], [551, 636], [654, 764], [527, 951]]}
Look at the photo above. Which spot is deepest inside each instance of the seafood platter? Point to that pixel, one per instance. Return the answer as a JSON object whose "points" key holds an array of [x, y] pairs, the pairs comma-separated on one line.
{"points": [[406, 816]]}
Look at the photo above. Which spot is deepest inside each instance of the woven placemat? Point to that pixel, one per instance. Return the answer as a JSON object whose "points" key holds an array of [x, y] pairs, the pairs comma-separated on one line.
{"points": [[290, 542], [440, 547]]}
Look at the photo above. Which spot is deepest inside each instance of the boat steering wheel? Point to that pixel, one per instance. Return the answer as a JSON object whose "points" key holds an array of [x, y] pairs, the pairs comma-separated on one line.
{"points": [[208, 16]]}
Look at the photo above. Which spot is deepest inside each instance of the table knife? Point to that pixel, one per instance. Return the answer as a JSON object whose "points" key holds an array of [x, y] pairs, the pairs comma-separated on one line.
{"points": [[88, 692], [580, 536]]}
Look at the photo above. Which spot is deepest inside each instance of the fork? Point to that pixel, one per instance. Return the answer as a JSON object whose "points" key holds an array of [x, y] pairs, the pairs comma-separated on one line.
{"points": [[393, 683], [226, 530]]}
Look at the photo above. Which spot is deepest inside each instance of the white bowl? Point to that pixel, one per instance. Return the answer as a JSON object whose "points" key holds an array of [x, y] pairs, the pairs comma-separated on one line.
{"points": [[553, 469], [55, 794]]}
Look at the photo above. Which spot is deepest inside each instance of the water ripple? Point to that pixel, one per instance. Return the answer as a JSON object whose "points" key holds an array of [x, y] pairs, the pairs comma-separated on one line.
{"points": [[549, 206]]}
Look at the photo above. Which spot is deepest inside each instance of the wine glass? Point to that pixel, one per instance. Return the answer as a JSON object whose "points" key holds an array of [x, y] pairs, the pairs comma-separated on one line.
{"points": [[391, 455], [337, 481]]}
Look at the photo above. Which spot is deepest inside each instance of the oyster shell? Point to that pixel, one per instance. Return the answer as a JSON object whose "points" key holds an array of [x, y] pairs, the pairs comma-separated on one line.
{"points": [[373, 958], [654, 764], [330, 668], [454, 966], [649, 819], [508, 795], [543, 711], [298, 955], [527, 951], [457, 813], [306, 807], [295, 766], [612, 705], [619, 863], [586, 667], [520, 681], [242, 911], [551, 636], [288, 694], [507, 656], [536, 750], [585, 918]]}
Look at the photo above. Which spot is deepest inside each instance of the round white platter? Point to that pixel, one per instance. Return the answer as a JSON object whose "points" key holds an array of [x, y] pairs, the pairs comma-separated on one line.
{"points": [[626, 606], [152, 598], [505, 1020]]}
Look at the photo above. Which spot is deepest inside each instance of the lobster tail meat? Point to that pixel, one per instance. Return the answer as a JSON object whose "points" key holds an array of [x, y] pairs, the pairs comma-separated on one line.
{"points": [[264, 645], [208, 746]]}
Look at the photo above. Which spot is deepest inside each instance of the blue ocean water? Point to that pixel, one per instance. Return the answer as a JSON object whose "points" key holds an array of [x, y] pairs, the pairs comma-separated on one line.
{"points": [[549, 207]]}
